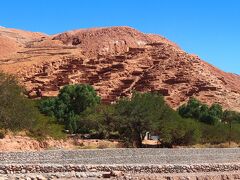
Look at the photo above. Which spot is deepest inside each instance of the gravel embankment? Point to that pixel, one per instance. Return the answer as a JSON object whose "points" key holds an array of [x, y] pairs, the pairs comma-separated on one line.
{"points": [[124, 156], [119, 162]]}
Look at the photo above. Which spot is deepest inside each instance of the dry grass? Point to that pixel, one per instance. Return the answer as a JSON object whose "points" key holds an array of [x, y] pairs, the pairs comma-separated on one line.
{"points": [[221, 145], [98, 144]]}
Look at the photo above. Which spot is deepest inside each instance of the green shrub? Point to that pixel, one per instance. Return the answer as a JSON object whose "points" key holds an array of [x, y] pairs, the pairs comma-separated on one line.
{"points": [[214, 134], [179, 131], [20, 113], [47, 127], [235, 133], [16, 111], [114, 135], [2, 134]]}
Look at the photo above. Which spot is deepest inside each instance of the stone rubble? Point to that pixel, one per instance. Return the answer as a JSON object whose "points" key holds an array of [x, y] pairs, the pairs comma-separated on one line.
{"points": [[122, 164], [116, 174]]}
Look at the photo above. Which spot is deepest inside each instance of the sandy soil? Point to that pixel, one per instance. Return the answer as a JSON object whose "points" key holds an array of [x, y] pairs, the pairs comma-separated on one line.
{"points": [[24, 143]]}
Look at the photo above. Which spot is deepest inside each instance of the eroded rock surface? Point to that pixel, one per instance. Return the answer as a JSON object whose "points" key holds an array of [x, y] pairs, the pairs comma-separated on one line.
{"points": [[117, 61]]}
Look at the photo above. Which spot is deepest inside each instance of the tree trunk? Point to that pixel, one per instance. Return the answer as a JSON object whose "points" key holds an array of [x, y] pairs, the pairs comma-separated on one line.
{"points": [[137, 140], [230, 134]]}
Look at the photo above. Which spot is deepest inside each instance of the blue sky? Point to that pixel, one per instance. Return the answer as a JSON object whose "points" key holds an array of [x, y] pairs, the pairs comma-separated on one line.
{"points": [[208, 28]]}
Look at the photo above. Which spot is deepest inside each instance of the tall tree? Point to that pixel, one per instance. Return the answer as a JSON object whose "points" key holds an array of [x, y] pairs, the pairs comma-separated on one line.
{"points": [[138, 114], [70, 103]]}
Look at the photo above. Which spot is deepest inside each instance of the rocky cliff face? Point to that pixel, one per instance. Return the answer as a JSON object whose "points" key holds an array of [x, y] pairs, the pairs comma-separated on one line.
{"points": [[117, 61]]}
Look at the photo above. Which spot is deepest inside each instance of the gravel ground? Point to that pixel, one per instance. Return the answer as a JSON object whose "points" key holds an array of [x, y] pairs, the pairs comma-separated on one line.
{"points": [[166, 164], [124, 156], [124, 176]]}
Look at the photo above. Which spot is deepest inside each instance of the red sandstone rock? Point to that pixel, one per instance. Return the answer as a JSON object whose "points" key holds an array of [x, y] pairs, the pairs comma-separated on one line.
{"points": [[116, 61]]}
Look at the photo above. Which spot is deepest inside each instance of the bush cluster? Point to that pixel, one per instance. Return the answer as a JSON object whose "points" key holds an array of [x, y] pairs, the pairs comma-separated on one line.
{"points": [[18, 113], [217, 125], [128, 119], [78, 108]]}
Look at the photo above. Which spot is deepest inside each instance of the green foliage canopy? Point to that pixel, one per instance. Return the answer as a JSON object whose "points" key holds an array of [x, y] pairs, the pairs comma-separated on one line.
{"points": [[138, 114], [196, 110], [70, 103]]}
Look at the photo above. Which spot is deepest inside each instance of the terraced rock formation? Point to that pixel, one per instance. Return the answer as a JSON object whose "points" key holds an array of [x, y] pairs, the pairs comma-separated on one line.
{"points": [[117, 61]]}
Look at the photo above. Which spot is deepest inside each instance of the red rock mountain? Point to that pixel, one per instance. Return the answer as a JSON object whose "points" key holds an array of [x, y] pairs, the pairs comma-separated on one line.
{"points": [[116, 61]]}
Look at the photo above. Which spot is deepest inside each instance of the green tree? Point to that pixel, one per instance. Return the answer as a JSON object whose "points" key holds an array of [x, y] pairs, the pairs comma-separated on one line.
{"points": [[70, 103], [216, 111], [138, 114], [192, 109], [99, 120], [78, 97], [196, 110], [47, 106]]}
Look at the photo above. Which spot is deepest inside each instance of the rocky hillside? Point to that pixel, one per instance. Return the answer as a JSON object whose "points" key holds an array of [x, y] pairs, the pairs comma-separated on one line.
{"points": [[108, 41], [116, 61], [12, 40]]}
